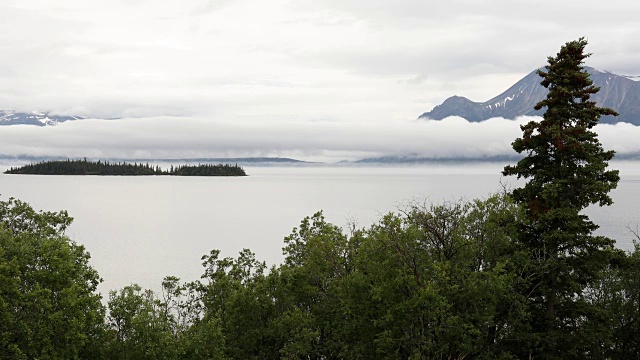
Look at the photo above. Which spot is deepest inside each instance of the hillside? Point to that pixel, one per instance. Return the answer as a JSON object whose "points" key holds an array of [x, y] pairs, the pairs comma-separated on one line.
{"points": [[621, 93]]}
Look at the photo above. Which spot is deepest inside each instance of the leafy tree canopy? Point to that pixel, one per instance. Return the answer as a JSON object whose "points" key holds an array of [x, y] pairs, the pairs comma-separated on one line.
{"points": [[49, 307]]}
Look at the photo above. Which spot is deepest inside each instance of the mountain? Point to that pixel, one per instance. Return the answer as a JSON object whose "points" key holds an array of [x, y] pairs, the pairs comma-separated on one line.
{"points": [[8, 117], [621, 93]]}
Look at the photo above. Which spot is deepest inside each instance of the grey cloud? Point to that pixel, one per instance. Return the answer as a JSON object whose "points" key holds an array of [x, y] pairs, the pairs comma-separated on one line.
{"points": [[400, 11], [479, 37], [208, 6], [459, 61], [415, 80], [304, 60]]}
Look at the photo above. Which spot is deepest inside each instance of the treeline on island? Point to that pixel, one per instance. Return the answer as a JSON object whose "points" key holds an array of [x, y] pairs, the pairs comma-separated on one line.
{"points": [[84, 167]]}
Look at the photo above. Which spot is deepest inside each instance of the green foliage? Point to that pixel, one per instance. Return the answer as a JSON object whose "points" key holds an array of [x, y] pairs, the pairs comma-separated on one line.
{"points": [[49, 307], [433, 283], [142, 329], [235, 295], [438, 280], [616, 297], [566, 167], [449, 280], [144, 325], [84, 167]]}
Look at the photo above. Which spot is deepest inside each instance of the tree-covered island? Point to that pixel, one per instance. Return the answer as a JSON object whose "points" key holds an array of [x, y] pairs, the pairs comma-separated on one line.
{"points": [[84, 167]]}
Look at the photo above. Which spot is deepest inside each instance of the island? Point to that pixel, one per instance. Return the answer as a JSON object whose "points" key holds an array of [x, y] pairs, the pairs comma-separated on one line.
{"points": [[84, 167]]}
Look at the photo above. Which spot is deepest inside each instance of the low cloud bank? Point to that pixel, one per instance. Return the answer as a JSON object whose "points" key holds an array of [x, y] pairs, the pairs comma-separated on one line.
{"points": [[172, 137]]}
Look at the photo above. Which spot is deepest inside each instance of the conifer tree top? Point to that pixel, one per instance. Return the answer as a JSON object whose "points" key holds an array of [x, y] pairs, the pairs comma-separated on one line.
{"points": [[570, 87], [564, 161]]}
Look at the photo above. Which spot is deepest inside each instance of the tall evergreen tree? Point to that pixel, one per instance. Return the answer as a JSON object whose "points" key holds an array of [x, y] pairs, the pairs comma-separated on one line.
{"points": [[567, 171]]}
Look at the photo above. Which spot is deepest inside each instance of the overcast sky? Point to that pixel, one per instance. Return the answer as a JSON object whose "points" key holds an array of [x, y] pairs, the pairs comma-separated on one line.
{"points": [[270, 75]]}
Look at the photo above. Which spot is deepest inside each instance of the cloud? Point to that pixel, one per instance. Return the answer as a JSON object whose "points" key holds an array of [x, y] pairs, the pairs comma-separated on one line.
{"points": [[170, 137], [282, 59], [208, 6]]}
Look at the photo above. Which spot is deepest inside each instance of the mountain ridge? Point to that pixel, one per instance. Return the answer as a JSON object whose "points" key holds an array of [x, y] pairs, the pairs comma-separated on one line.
{"points": [[619, 92], [10, 117]]}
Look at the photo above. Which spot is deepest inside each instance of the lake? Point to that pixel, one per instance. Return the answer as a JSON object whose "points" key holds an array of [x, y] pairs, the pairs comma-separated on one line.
{"points": [[140, 229]]}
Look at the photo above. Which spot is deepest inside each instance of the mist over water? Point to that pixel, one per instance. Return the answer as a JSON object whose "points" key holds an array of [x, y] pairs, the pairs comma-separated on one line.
{"points": [[326, 141], [140, 229]]}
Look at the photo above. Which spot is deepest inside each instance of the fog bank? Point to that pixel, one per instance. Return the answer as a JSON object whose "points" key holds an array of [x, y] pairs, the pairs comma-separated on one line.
{"points": [[175, 137]]}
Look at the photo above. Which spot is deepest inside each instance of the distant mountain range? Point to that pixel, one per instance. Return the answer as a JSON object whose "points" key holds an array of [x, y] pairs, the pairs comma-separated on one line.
{"points": [[621, 93], [9, 117]]}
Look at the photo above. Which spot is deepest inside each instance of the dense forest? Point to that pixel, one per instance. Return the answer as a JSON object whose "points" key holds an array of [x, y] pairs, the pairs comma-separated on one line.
{"points": [[84, 167], [518, 275], [447, 281]]}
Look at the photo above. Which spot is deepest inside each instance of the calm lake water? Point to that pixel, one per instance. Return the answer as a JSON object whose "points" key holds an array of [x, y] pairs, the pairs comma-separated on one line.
{"points": [[140, 229]]}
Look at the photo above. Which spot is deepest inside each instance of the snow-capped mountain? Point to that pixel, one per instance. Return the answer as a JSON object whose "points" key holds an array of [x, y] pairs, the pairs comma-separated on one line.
{"points": [[621, 93], [9, 117]]}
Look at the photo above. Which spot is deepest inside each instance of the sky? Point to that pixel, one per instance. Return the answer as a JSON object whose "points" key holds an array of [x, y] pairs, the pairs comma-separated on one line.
{"points": [[320, 80]]}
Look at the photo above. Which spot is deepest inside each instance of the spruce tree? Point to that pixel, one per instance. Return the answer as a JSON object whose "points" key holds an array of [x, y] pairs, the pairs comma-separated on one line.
{"points": [[566, 168]]}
